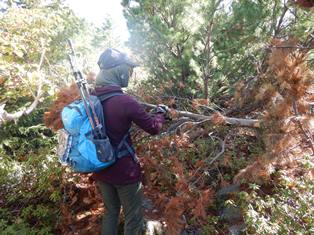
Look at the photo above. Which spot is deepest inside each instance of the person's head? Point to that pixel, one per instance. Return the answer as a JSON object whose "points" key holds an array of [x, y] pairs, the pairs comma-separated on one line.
{"points": [[115, 69]]}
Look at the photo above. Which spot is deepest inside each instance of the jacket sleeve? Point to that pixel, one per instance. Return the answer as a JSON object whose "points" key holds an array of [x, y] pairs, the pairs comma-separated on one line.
{"points": [[152, 124]]}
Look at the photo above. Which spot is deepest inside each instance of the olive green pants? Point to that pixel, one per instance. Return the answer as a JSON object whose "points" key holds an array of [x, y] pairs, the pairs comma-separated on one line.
{"points": [[130, 198]]}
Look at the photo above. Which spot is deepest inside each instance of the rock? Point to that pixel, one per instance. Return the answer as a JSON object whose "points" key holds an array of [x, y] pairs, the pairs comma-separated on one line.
{"points": [[236, 229], [184, 232], [234, 188], [154, 227], [231, 213]]}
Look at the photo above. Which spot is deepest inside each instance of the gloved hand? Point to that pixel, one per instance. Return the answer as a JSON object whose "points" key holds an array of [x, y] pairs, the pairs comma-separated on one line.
{"points": [[163, 109]]}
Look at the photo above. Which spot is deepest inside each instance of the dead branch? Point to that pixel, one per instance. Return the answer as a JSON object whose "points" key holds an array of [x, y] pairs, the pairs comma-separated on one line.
{"points": [[222, 144], [174, 127], [227, 120], [194, 125], [5, 116]]}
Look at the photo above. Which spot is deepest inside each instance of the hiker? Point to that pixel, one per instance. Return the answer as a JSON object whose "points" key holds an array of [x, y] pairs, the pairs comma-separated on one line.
{"points": [[120, 184]]}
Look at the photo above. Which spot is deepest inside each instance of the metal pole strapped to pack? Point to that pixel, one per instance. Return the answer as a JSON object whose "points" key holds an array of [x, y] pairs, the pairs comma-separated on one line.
{"points": [[84, 93]]}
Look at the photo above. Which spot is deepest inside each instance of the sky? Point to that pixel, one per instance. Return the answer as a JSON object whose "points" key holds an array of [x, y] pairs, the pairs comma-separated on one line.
{"points": [[95, 11]]}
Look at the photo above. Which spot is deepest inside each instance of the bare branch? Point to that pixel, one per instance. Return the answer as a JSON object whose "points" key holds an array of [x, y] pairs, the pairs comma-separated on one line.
{"points": [[222, 144], [281, 19], [174, 127], [5, 116], [227, 120]]}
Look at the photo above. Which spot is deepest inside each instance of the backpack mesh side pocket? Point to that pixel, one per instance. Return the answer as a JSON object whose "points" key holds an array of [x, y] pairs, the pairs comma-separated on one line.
{"points": [[64, 145], [104, 150]]}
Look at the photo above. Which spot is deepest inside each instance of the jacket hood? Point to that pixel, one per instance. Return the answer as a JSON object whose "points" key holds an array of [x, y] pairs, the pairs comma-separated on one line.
{"points": [[116, 76]]}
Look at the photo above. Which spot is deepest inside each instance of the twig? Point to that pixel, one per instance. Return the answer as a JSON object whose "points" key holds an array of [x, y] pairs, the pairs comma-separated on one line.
{"points": [[222, 144], [195, 124], [188, 100], [208, 108], [27, 84], [175, 126], [201, 176], [281, 19]]}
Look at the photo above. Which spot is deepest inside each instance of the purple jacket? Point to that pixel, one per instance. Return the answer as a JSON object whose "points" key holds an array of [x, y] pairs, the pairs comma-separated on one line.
{"points": [[120, 112]]}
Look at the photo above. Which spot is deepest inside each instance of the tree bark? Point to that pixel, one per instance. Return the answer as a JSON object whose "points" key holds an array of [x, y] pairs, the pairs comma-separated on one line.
{"points": [[227, 120], [206, 81], [5, 116]]}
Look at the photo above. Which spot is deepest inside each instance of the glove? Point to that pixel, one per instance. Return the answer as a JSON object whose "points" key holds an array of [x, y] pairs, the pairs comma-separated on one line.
{"points": [[163, 109]]}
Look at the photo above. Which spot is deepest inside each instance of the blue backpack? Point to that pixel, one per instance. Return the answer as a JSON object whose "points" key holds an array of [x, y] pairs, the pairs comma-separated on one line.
{"points": [[80, 147]]}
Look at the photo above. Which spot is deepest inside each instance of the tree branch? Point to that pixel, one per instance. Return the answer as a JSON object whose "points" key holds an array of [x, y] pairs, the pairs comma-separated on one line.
{"points": [[222, 144], [278, 27], [5, 116], [227, 120]]}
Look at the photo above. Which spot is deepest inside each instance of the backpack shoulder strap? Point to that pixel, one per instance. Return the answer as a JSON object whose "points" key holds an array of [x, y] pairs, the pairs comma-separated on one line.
{"points": [[128, 149], [109, 95], [123, 143]]}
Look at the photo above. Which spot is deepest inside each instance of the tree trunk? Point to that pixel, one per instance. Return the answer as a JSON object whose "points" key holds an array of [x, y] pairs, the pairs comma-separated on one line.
{"points": [[213, 118], [206, 81]]}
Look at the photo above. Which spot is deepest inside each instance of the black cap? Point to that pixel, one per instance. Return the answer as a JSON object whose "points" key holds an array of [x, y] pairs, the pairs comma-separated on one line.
{"points": [[111, 58]]}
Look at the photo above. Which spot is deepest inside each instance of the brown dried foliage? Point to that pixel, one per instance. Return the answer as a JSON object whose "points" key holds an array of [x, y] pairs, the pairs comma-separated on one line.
{"points": [[218, 119], [287, 120], [168, 171], [196, 103], [65, 96], [206, 197], [82, 208], [173, 215]]}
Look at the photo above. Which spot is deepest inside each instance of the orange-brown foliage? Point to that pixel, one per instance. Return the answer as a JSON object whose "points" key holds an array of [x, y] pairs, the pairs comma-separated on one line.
{"points": [[205, 199], [177, 176], [196, 103], [181, 184], [257, 172], [174, 215], [218, 119], [65, 96], [290, 82], [85, 200]]}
